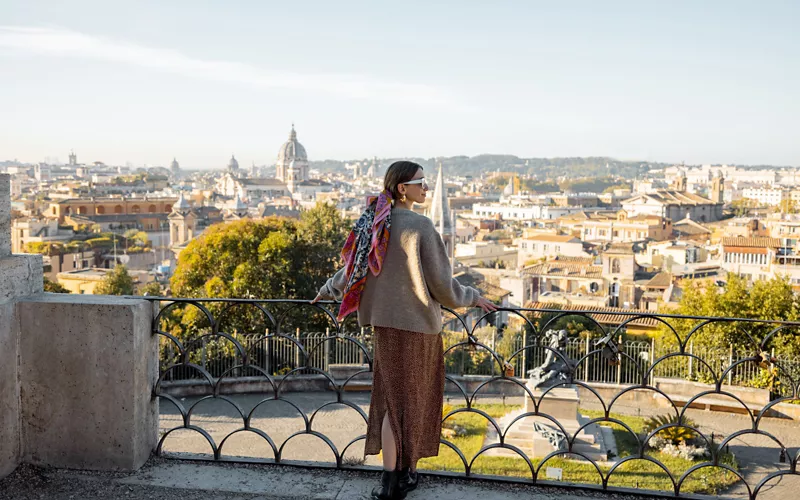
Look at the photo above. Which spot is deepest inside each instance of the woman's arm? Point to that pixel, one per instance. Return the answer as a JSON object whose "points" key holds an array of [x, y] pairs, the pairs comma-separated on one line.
{"points": [[439, 275], [333, 289]]}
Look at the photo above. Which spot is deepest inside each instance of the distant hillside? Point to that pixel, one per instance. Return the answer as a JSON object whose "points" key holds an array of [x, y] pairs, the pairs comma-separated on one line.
{"points": [[541, 168]]}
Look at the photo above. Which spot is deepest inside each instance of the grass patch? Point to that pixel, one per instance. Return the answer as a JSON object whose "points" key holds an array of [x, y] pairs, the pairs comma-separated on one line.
{"points": [[634, 474]]}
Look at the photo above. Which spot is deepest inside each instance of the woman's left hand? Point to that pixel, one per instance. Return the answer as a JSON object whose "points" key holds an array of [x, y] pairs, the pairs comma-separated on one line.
{"points": [[486, 304]]}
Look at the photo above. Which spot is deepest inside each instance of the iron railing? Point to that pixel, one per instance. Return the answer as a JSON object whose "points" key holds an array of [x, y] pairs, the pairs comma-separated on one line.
{"points": [[266, 340]]}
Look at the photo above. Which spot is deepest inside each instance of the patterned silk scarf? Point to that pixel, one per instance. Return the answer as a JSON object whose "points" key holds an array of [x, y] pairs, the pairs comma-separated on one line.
{"points": [[365, 249]]}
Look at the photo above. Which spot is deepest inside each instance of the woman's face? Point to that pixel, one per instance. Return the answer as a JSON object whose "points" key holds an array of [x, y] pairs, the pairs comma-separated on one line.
{"points": [[418, 189]]}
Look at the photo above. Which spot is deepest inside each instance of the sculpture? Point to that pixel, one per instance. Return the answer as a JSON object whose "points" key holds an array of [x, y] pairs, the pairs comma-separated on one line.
{"points": [[555, 370]]}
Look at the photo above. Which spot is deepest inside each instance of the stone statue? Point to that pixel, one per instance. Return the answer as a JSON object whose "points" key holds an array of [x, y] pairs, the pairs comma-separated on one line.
{"points": [[554, 370]]}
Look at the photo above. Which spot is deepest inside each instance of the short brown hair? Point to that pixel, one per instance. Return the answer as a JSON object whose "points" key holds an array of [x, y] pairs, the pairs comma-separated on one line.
{"points": [[398, 173]]}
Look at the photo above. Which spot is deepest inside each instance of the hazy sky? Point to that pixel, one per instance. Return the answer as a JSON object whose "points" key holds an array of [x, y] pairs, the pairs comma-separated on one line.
{"points": [[145, 81]]}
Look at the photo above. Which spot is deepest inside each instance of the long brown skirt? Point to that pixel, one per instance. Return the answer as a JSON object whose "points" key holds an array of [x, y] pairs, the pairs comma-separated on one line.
{"points": [[408, 384]]}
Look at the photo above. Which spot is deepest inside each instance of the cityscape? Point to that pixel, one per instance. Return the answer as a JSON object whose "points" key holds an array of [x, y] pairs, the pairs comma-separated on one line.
{"points": [[602, 242], [365, 250]]}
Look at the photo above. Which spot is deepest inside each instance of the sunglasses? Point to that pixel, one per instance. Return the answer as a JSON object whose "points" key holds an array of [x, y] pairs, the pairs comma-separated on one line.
{"points": [[421, 180]]}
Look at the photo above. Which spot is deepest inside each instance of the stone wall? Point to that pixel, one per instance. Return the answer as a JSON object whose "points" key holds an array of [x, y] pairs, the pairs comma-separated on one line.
{"points": [[9, 390], [87, 372], [76, 372]]}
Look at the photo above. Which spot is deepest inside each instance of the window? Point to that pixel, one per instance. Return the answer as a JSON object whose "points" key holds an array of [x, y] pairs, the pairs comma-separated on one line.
{"points": [[558, 248], [545, 247], [615, 267]]}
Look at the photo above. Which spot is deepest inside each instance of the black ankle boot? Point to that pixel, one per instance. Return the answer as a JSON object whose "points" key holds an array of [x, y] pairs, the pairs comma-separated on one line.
{"points": [[408, 480], [390, 487]]}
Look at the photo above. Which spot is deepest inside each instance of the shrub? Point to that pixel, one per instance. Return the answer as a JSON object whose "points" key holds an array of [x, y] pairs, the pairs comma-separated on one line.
{"points": [[673, 435]]}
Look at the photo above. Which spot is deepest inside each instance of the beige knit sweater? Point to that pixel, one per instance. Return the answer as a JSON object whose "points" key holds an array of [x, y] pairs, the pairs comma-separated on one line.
{"points": [[415, 280]]}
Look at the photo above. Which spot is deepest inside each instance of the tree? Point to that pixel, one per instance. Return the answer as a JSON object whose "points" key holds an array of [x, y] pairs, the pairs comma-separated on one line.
{"points": [[44, 247], [138, 238], [117, 282], [152, 289], [767, 300], [53, 286], [270, 258]]}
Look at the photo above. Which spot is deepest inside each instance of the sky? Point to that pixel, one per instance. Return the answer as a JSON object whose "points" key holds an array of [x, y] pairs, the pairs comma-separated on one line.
{"points": [[199, 80]]}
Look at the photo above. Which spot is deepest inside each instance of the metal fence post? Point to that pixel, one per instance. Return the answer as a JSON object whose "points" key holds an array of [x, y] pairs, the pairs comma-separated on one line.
{"points": [[203, 354], [730, 362], [326, 351], [691, 361], [524, 354], [360, 352], [652, 360], [494, 348], [268, 361], [586, 361], [619, 364], [297, 348]]}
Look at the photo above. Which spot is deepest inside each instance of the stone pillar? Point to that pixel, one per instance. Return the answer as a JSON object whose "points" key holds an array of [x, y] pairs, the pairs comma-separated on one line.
{"points": [[20, 275], [10, 443], [88, 365], [5, 215]]}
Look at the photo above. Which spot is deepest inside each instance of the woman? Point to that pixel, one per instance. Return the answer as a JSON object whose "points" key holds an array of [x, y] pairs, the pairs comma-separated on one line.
{"points": [[397, 275]]}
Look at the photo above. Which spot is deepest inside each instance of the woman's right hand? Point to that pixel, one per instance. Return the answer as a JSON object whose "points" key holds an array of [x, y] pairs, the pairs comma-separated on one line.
{"points": [[486, 304]]}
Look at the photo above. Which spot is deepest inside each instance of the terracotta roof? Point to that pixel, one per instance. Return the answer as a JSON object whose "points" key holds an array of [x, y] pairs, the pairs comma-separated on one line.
{"points": [[660, 280], [672, 197], [604, 316], [573, 260], [261, 181], [556, 238], [753, 242], [750, 250], [565, 269], [491, 292], [690, 228], [620, 248]]}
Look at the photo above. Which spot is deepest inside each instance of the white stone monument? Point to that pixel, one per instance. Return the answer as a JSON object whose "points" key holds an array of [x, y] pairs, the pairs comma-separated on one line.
{"points": [[537, 436]]}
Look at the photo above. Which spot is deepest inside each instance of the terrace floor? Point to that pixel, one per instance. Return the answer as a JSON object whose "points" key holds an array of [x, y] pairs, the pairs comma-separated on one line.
{"points": [[162, 479]]}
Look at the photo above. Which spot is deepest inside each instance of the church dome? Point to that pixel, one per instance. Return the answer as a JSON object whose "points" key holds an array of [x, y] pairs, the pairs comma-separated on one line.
{"points": [[233, 164], [174, 165], [292, 150]]}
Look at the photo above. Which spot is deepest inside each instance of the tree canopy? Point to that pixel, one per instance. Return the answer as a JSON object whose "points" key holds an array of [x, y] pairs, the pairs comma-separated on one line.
{"points": [[54, 286], [270, 258], [771, 299], [117, 282]]}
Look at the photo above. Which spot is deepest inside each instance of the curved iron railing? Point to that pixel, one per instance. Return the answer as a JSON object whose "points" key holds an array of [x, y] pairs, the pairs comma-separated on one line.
{"points": [[213, 321]]}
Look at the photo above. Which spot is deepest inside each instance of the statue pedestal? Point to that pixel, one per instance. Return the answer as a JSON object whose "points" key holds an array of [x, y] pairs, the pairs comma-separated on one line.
{"points": [[560, 403], [537, 437]]}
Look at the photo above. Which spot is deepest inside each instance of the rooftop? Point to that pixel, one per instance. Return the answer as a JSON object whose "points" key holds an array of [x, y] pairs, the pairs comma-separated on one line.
{"points": [[751, 242]]}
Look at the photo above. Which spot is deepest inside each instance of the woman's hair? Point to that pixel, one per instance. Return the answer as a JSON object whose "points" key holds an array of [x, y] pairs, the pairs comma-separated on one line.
{"points": [[398, 173]]}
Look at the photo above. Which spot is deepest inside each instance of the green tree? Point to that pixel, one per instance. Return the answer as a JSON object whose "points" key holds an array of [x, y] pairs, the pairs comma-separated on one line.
{"points": [[267, 259], [138, 238], [44, 247], [152, 289], [767, 300], [53, 286], [117, 282], [271, 258]]}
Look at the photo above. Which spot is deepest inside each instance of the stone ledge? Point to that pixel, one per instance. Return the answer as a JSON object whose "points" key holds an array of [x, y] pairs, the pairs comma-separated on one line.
{"points": [[88, 365], [20, 275]]}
